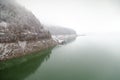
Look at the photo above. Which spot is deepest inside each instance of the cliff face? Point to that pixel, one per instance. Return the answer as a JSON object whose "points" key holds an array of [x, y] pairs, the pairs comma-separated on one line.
{"points": [[20, 31]]}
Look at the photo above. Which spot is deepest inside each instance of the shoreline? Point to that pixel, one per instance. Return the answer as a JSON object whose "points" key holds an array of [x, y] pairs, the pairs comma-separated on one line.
{"points": [[16, 50], [22, 48]]}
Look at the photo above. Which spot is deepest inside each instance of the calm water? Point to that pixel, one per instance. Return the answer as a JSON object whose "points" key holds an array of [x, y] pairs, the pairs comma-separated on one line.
{"points": [[86, 58]]}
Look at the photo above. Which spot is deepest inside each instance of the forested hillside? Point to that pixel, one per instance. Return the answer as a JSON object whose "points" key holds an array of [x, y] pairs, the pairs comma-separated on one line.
{"points": [[19, 24]]}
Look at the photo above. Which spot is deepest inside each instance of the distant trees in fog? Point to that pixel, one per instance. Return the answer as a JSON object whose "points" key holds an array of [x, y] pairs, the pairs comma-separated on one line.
{"points": [[56, 30]]}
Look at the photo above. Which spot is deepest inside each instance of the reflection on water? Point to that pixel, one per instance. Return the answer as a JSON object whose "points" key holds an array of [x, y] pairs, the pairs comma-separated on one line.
{"points": [[86, 58], [18, 69]]}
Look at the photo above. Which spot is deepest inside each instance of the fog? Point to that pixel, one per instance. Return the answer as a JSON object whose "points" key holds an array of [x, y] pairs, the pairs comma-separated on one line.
{"points": [[84, 16]]}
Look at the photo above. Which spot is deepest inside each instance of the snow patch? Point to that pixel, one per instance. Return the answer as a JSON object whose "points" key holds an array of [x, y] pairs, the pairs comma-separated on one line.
{"points": [[4, 50], [3, 24], [22, 44]]}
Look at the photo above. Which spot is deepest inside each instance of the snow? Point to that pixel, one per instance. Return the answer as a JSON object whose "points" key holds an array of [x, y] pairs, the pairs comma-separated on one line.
{"points": [[22, 44], [2, 33], [62, 38], [3, 24], [4, 50]]}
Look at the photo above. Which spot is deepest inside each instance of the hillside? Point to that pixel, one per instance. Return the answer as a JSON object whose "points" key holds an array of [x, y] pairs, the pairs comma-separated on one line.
{"points": [[56, 30], [21, 32], [19, 24], [61, 34]]}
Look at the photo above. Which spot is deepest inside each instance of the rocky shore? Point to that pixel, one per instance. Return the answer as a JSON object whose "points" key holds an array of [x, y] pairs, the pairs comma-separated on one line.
{"points": [[21, 48]]}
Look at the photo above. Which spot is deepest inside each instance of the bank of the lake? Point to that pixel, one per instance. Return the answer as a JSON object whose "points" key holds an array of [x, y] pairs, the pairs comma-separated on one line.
{"points": [[22, 48]]}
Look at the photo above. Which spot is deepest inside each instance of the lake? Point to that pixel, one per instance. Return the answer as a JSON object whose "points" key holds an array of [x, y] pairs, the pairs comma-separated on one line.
{"points": [[92, 57]]}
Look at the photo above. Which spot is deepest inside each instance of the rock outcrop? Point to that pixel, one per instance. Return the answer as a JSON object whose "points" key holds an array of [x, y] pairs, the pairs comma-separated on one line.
{"points": [[20, 32]]}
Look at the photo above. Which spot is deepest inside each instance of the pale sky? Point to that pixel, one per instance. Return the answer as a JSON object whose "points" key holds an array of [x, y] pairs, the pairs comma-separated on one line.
{"points": [[84, 16]]}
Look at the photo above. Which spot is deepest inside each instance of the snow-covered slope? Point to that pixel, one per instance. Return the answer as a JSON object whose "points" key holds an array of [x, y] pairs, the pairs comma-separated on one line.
{"points": [[17, 23], [20, 32]]}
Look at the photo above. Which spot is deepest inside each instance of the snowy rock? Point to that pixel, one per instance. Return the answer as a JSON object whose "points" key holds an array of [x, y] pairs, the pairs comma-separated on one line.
{"points": [[22, 44]]}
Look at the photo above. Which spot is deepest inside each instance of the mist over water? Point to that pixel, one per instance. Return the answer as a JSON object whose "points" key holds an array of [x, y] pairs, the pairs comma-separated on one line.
{"points": [[92, 57], [95, 56], [87, 58]]}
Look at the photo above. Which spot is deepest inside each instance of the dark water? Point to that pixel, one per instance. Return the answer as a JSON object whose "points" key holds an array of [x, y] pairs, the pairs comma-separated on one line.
{"points": [[86, 58]]}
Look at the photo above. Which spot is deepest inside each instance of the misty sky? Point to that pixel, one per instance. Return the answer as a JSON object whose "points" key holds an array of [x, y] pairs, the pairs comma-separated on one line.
{"points": [[82, 15]]}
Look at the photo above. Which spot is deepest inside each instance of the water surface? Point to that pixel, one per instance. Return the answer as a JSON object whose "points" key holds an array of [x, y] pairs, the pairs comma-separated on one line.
{"points": [[86, 58]]}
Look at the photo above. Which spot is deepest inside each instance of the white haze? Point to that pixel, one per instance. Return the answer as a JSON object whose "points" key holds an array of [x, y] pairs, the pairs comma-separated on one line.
{"points": [[84, 16]]}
